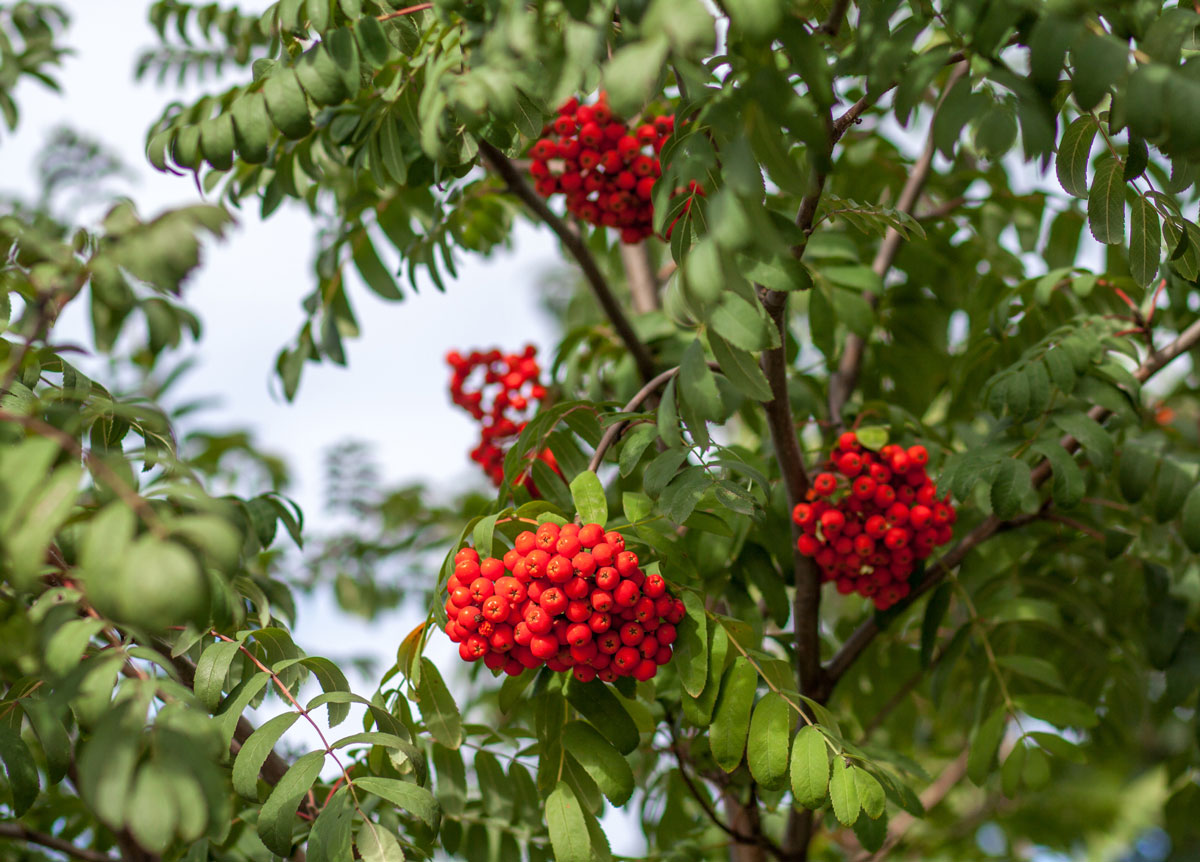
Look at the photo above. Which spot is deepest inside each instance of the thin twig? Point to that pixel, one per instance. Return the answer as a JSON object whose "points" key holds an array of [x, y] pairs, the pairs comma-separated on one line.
{"points": [[742, 838], [574, 244], [862, 637], [615, 430], [1075, 525], [408, 10], [19, 832]]}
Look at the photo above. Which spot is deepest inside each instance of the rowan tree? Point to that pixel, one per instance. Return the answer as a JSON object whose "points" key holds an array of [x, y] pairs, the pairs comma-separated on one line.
{"points": [[959, 229]]}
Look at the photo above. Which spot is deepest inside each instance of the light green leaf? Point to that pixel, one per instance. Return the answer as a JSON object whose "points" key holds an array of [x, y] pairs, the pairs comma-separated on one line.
{"points": [[843, 792], [810, 767], [1057, 709], [870, 792], [587, 493], [211, 670], [767, 748], [376, 843], [152, 810], [411, 797], [330, 836], [568, 829]]}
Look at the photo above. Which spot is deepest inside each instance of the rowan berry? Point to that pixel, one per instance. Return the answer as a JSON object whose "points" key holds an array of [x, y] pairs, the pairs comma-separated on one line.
{"points": [[627, 563], [525, 542], [825, 484]]}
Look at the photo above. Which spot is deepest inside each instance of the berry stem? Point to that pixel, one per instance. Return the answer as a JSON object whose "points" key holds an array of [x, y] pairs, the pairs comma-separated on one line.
{"points": [[408, 10], [575, 245]]}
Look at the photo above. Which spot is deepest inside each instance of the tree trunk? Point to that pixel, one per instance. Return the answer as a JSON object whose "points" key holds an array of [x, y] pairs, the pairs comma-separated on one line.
{"points": [[742, 819]]}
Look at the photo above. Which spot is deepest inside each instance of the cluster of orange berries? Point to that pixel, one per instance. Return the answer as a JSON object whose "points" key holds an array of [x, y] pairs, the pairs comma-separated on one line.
{"points": [[569, 597], [501, 391], [606, 169], [871, 517]]}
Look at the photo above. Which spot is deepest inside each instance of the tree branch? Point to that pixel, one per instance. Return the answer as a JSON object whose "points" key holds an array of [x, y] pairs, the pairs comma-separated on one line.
{"points": [[845, 379], [837, 14], [862, 637], [18, 832], [615, 430], [848, 119], [575, 245], [643, 286]]}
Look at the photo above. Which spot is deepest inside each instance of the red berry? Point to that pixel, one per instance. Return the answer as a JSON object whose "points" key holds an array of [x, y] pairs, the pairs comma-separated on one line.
{"points": [[591, 535], [525, 542]]}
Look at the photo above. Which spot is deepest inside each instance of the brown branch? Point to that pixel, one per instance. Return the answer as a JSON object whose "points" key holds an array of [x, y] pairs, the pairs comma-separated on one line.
{"points": [[756, 839], [643, 287], [575, 245], [18, 832], [848, 119], [844, 381], [862, 637], [615, 430], [837, 15]]}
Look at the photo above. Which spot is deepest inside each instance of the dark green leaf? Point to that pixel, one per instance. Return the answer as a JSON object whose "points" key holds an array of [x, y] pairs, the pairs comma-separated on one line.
{"points": [[596, 702], [277, 818], [437, 706], [1106, 203], [600, 760], [985, 741]]}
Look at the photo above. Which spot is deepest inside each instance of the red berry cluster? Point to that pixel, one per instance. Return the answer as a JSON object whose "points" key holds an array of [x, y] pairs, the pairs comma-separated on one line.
{"points": [[569, 597], [606, 170], [871, 517], [501, 391]]}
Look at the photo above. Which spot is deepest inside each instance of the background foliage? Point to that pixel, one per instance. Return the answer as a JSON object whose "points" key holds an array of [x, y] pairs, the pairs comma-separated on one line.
{"points": [[876, 248]]}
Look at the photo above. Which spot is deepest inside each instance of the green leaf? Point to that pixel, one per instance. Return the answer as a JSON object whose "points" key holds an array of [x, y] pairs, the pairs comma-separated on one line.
{"points": [[255, 751], [1034, 668], [600, 760], [588, 495], [1189, 526], [741, 368], [1057, 709], [287, 105], [767, 749], [1099, 61], [1135, 471], [1012, 483], [413, 798], [43, 513], [277, 818], [1069, 483], [691, 646], [984, 743], [871, 833], [1036, 773], [330, 836], [698, 386], [319, 76], [1171, 490], [810, 767], [843, 792], [935, 612], [152, 810], [21, 769], [731, 718], [374, 274], [1106, 203], [631, 75], [740, 323], [211, 670], [568, 829], [596, 702], [698, 710], [1145, 241], [870, 792], [376, 843], [1091, 434], [634, 446], [251, 127], [332, 679], [65, 648], [437, 706], [1010, 772], [1074, 152]]}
